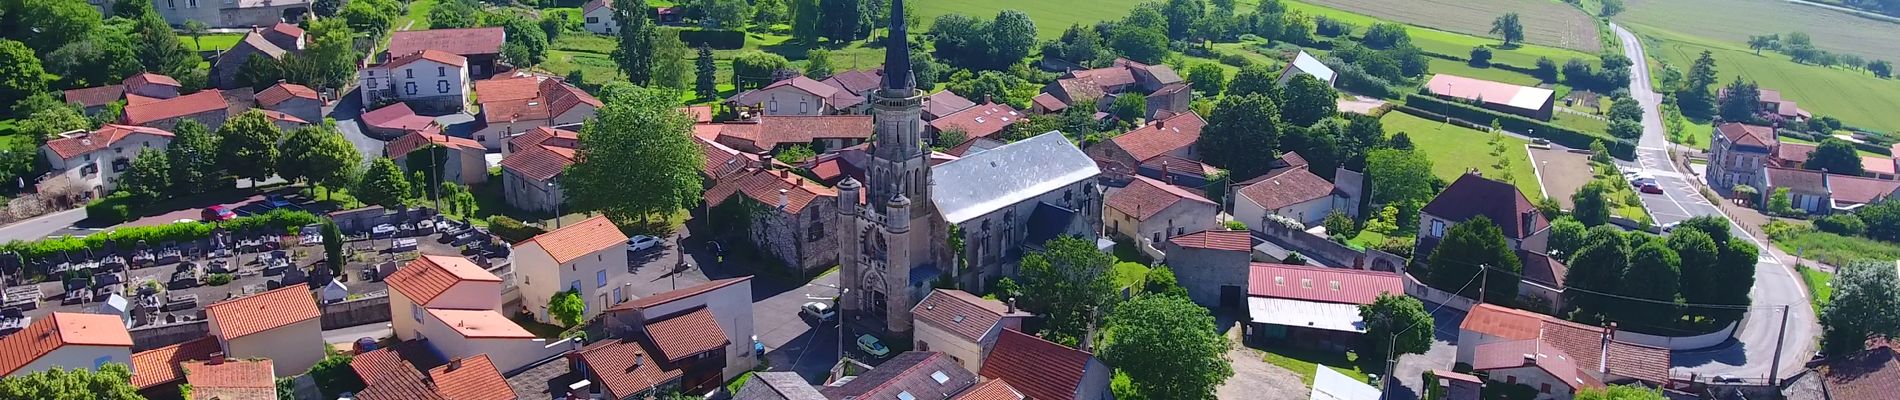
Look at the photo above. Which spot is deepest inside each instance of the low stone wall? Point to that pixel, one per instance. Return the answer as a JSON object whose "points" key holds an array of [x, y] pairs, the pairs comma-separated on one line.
{"points": [[1415, 288], [1331, 253], [368, 310], [156, 336]]}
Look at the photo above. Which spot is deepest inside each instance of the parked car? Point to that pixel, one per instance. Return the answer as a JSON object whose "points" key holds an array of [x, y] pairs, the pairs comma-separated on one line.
{"points": [[218, 213], [1640, 181], [1652, 189], [1666, 228], [641, 242], [819, 311], [870, 345], [277, 201], [1540, 144]]}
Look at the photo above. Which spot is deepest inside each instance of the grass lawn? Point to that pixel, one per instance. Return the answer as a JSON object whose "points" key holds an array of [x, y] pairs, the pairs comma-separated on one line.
{"points": [[1051, 16], [1366, 239], [593, 56], [1452, 43], [1857, 150], [1581, 123], [739, 382], [1835, 249], [1306, 362], [418, 14], [1130, 274], [1545, 22], [211, 41], [1732, 21], [1454, 149], [1820, 286]]}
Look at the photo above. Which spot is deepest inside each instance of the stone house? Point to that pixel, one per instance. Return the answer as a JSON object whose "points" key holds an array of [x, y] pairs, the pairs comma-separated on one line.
{"points": [[1212, 266], [96, 159], [209, 107], [790, 218], [272, 43], [1525, 228], [1738, 152], [1292, 192], [515, 104], [1014, 198], [1041, 369], [713, 319], [67, 341], [458, 160], [1173, 136], [797, 96], [962, 325], [532, 166], [481, 47], [432, 82], [1101, 84], [1149, 210], [589, 257], [293, 99], [282, 325]]}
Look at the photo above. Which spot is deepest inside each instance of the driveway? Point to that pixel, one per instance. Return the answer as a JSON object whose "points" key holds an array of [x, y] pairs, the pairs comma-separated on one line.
{"points": [[345, 111], [1254, 378], [1752, 352]]}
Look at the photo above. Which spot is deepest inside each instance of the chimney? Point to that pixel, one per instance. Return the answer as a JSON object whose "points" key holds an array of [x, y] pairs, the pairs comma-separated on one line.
{"points": [[1012, 305], [987, 100], [765, 161], [1609, 331], [1161, 123], [455, 364], [784, 199], [639, 358], [1530, 359], [216, 358]]}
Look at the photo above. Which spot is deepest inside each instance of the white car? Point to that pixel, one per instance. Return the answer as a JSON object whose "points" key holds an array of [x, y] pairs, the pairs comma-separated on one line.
{"points": [[641, 242], [870, 345], [819, 311]]}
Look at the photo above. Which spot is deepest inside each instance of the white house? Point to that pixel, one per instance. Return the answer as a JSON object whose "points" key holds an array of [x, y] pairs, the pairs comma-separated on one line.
{"points": [[1149, 211], [516, 104], [796, 96], [589, 257], [1291, 192], [96, 159], [730, 302], [1306, 64], [531, 169], [598, 17], [430, 81], [67, 341], [282, 325], [456, 305]]}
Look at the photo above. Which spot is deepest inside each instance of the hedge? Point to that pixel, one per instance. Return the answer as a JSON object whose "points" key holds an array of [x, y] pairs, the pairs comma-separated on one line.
{"points": [[1567, 137], [128, 237], [512, 230], [110, 209], [717, 39]]}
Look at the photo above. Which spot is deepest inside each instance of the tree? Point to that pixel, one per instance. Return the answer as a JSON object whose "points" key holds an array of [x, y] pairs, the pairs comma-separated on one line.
{"points": [[1012, 37], [1619, 392], [21, 73], [1566, 236], [383, 184], [1079, 44], [1070, 282], [333, 247], [49, 123], [1757, 43], [1780, 203], [1129, 107], [112, 381], [638, 130], [753, 69], [193, 154], [1386, 35], [1546, 69], [146, 180], [1399, 176], [1626, 109], [818, 64], [952, 137], [1468, 249], [842, 21], [1363, 134], [566, 307], [725, 14], [671, 67], [987, 84], [329, 58], [1881, 68], [1318, 144], [1207, 78], [1596, 267], [527, 43], [1866, 303], [1139, 44], [634, 54], [1626, 128], [1508, 28], [1656, 279], [1168, 347], [1307, 100], [1181, 14], [1395, 315], [318, 154], [47, 24], [805, 16], [1699, 261], [105, 58], [1611, 8], [1741, 101], [196, 29], [1835, 156], [1338, 223], [372, 17], [961, 40], [451, 14], [1481, 57], [1241, 134], [249, 146], [1254, 79], [1591, 204], [705, 83], [766, 13], [1402, 141], [1160, 281]]}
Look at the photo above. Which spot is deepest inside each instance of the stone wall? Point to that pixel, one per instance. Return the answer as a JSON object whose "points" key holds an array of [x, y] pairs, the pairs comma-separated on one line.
{"points": [[788, 237], [156, 336], [350, 313], [1315, 247]]}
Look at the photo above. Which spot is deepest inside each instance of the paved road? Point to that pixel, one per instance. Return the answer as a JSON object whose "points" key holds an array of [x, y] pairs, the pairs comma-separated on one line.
{"points": [[1751, 353], [346, 110], [38, 227]]}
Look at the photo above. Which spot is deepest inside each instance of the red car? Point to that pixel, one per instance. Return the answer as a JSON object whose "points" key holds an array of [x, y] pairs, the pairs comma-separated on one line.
{"points": [[218, 213], [1651, 189]]}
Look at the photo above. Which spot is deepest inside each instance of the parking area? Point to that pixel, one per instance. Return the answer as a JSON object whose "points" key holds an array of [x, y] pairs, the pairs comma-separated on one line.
{"points": [[1561, 172]]}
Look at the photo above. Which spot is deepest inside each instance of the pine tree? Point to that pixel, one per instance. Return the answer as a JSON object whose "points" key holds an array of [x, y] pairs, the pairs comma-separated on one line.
{"points": [[705, 82], [635, 53]]}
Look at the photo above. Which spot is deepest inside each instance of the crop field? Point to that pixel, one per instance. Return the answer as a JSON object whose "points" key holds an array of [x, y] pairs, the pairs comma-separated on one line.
{"points": [[1454, 149], [1732, 21], [1452, 43], [1051, 16], [1545, 22], [1856, 97]]}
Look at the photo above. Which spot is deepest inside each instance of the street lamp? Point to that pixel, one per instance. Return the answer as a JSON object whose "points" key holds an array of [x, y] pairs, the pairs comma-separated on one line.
{"points": [[840, 307], [557, 202]]}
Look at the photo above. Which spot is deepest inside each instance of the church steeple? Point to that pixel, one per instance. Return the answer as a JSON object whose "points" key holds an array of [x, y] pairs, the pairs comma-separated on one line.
{"points": [[897, 75]]}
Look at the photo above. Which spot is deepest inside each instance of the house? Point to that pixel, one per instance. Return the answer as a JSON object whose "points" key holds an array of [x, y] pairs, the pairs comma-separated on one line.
{"points": [[408, 370], [1329, 384], [281, 324], [913, 374], [1019, 195], [1291, 191], [221, 378], [962, 325], [1149, 210], [780, 385], [1553, 356], [67, 341], [531, 170], [1772, 107], [434, 82], [1851, 192], [1474, 196], [1172, 136], [797, 95], [1738, 152], [1866, 374], [455, 306], [1185, 173], [208, 107], [994, 389], [1098, 85], [1042, 369], [1458, 386], [92, 100], [481, 47], [396, 120], [270, 43], [1306, 64], [694, 319], [456, 159], [516, 104], [152, 86], [296, 100], [1213, 265], [157, 373], [1529, 102], [1169, 100], [944, 103], [1821, 193], [1313, 306], [790, 217], [232, 14], [96, 159], [626, 369], [857, 82], [597, 16], [985, 121], [587, 257], [771, 133]]}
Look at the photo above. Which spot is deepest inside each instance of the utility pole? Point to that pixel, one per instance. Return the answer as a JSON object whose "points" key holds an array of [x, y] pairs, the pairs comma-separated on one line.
{"points": [[1774, 370], [1484, 281]]}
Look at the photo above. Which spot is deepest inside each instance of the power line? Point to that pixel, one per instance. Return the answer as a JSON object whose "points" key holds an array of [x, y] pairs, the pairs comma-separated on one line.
{"points": [[1623, 297]]}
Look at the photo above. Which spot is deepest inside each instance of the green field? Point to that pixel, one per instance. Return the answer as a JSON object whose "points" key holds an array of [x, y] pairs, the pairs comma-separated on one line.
{"points": [[1451, 43], [592, 55], [1790, 139], [1732, 21], [1836, 250], [1454, 149], [1857, 98], [1545, 22], [1051, 16], [211, 41]]}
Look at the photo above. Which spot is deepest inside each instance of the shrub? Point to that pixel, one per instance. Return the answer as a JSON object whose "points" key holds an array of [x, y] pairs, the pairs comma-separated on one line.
{"points": [[1236, 226], [1480, 56], [218, 279], [112, 209], [1842, 224], [512, 230], [1235, 60]]}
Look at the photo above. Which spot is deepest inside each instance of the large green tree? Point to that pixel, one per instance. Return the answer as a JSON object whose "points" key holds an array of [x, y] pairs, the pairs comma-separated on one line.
{"points": [[1207, 78], [1399, 176], [1307, 100], [105, 58], [1012, 37], [1835, 156], [1654, 275], [527, 44], [805, 16], [194, 159], [705, 80], [1740, 101], [21, 74], [329, 57], [1566, 236], [1468, 249], [1866, 303], [383, 184], [1254, 79], [842, 19], [566, 307], [754, 69], [147, 180], [112, 381], [372, 17], [637, 160], [1596, 268], [46, 25], [1069, 281], [1241, 135], [634, 54], [248, 147], [1168, 346], [450, 14], [672, 62], [1591, 204], [1398, 320], [1508, 28], [1700, 262], [159, 48], [318, 154]]}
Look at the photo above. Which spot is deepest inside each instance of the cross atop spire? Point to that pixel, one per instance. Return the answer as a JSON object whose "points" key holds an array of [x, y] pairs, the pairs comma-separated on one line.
{"points": [[897, 75]]}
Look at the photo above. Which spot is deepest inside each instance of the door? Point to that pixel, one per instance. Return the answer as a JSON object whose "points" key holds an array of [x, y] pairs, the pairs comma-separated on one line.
{"points": [[1233, 297]]}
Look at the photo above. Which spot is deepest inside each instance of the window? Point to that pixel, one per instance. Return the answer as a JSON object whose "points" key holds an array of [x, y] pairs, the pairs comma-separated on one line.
{"points": [[575, 285], [617, 296], [409, 88], [441, 71], [1279, 281], [600, 278], [1510, 379], [193, 3], [1438, 228], [593, 20], [372, 81], [101, 361], [415, 311], [409, 73], [118, 150], [801, 106], [1306, 283], [1545, 388], [771, 106], [171, 3], [442, 86], [1335, 285]]}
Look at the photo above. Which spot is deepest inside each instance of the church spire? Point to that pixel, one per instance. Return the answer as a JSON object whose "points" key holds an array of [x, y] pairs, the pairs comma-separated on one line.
{"points": [[897, 75]]}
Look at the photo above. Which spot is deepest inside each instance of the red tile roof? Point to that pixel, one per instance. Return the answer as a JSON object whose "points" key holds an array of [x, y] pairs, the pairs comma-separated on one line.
{"points": [[439, 56], [280, 92], [475, 379], [397, 116], [720, 159], [1794, 154], [514, 100], [1104, 77], [1583, 343], [773, 130], [960, 313], [1748, 135], [994, 389], [1162, 137], [274, 309], [1798, 180], [1040, 368], [465, 42], [147, 78], [95, 96], [980, 121], [1144, 197], [763, 186], [826, 93], [75, 146], [160, 366], [427, 277], [1215, 240], [1877, 165], [1474, 195], [1049, 102], [1556, 362], [277, 116], [1504, 322], [413, 141], [682, 336], [1286, 188], [1321, 284], [625, 367], [701, 113], [287, 29], [387, 376], [946, 102], [203, 101], [678, 294], [59, 329], [1869, 374], [510, 87], [232, 379], [537, 163], [1854, 189], [580, 239]]}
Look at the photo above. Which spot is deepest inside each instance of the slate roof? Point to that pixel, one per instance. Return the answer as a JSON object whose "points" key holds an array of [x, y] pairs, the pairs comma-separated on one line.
{"points": [[682, 336], [430, 275], [625, 367], [1543, 269], [95, 96], [980, 183], [1162, 137], [579, 239], [1797, 180], [280, 92], [1748, 135], [1144, 197], [946, 102], [1039, 368], [1321, 284], [979, 121], [763, 186], [1215, 240], [1472, 195], [261, 312], [70, 147], [678, 294], [1288, 187], [49, 333], [959, 313], [464, 42], [231, 379], [912, 372], [203, 101], [160, 366]]}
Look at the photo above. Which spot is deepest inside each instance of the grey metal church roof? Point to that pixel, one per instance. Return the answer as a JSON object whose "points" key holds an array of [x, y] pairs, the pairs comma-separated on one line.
{"points": [[986, 181]]}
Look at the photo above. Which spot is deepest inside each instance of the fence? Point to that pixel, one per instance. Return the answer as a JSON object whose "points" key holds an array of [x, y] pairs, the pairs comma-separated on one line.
{"points": [[350, 313]]}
